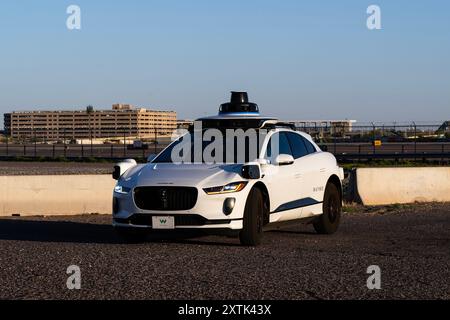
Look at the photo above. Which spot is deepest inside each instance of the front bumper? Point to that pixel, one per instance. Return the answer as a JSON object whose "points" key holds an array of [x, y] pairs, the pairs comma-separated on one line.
{"points": [[205, 224], [208, 212]]}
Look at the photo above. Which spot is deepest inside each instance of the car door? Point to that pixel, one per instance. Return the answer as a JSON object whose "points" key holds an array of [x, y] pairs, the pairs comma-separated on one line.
{"points": [[310, 170], [282, 181]]}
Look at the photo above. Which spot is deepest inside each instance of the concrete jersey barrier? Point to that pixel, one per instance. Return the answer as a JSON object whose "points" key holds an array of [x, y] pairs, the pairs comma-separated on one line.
{"points": [[56, 194], [383, 186], [80, 194]]}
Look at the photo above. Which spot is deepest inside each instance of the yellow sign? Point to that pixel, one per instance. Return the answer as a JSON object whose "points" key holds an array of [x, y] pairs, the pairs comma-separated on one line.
{"points": [[377, 143]]}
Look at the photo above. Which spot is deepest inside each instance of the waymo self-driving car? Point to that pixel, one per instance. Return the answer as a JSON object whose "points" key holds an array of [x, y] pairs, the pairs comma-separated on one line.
{"points": [[238, 172]]}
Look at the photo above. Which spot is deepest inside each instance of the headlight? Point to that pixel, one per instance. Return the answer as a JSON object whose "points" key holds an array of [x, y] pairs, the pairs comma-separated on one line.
{"points": [[121, 189], [229, 188]]}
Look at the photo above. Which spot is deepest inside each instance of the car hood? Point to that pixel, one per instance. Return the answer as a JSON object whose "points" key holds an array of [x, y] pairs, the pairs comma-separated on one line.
{"points": [[182, 174]]}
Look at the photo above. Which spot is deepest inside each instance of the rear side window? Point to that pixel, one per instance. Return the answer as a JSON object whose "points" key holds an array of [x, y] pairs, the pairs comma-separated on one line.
{"points": [[309, 146], [298, 145]]}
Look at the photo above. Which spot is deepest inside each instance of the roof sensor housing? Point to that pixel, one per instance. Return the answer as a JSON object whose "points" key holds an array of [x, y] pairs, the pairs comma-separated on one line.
{"points": [[239, 105]]}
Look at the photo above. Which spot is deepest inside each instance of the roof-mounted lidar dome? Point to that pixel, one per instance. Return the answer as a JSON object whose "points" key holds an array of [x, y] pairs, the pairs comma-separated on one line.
{"points": [[239, 105]]}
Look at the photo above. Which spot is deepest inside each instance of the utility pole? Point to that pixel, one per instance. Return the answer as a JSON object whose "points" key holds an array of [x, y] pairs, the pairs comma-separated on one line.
{"points": [[89, 111], [35, 143], [124, 143], [415, 141], [156, 140], [64, 141], [373, 138]]}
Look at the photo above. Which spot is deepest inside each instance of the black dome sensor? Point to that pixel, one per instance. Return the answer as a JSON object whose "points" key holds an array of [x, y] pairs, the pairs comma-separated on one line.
{"points": [[239, 104]]}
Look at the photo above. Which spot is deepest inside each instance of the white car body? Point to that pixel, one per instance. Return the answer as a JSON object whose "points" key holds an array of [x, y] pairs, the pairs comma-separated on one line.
{"points": [[292, 192], [305, 181]]}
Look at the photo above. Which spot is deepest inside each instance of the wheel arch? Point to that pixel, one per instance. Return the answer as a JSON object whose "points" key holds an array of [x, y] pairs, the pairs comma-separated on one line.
{"points": [[334, 179], [265, 192]]}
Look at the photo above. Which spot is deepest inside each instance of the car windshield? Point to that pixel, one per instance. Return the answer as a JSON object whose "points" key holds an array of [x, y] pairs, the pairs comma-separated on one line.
{"points": [[239, 148]]}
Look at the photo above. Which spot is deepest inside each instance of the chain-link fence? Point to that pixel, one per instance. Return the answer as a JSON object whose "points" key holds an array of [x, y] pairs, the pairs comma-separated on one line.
{"points": [[346, 132], [397, 141], [126, 143], [346, 140]]}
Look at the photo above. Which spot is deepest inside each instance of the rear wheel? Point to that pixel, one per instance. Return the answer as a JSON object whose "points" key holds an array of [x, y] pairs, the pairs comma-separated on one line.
{"points": [[329, 221], [251, 233]]}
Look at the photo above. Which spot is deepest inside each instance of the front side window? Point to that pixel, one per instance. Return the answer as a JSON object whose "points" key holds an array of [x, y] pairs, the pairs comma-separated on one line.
{"points": [[278, 141]]}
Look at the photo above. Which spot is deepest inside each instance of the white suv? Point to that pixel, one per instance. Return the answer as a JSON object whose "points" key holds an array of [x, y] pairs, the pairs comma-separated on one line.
{"points": [[289, 179]]}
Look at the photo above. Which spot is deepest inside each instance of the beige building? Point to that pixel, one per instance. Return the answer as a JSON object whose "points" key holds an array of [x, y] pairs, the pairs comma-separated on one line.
{"points": [[122, 120]]}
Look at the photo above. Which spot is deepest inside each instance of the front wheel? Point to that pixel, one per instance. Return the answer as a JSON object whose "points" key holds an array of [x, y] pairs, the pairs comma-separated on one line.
{"points": [[251, 233], [329, 221]]}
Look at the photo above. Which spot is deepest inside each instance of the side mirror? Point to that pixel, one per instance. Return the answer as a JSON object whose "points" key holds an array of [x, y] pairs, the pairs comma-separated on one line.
{"points": [[116, 173], [284, 160], [121, 167], [251, 171], [151, 157]]}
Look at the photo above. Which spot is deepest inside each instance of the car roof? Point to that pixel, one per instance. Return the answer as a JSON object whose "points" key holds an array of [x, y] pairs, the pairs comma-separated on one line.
{"points": [[244, 121], [236, 116]]}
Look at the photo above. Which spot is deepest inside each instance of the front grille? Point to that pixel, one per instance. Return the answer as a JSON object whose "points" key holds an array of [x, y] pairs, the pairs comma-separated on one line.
{"points": [[180, 220], [165, 198]]}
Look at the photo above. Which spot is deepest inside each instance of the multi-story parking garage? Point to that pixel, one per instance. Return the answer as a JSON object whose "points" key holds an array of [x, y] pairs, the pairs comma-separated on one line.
{"points": [[122, 120]]}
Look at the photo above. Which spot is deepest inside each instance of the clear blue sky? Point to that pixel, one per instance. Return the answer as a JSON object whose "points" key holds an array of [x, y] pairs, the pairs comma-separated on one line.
{"points": [[298, 59]]}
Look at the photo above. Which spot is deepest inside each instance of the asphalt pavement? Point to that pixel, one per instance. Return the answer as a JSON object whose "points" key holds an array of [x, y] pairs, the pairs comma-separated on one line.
{"points": [[410, 244], [21, 168]]}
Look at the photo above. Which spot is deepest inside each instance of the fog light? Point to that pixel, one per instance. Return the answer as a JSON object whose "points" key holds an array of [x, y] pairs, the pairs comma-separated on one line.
{"points": [[228, 205]]}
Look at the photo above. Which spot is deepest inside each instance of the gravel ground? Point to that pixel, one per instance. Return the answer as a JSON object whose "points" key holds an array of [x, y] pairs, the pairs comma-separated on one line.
{"points": [[53, 168], [411, 245]]}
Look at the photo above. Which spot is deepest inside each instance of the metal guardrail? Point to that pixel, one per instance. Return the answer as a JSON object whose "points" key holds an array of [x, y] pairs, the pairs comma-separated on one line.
{"points": [[444, 157], [344, 152], [421, 151], [56, 151]]}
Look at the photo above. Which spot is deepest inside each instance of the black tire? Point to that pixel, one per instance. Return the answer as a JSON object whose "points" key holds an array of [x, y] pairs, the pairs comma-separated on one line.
{"points": [[251, 233], [130, 235], [328, 222]]}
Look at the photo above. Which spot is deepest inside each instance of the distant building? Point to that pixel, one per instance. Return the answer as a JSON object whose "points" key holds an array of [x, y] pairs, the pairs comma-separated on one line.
{"points": [[120, 106], [324, 126], [184, 124], [122, 120]]}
